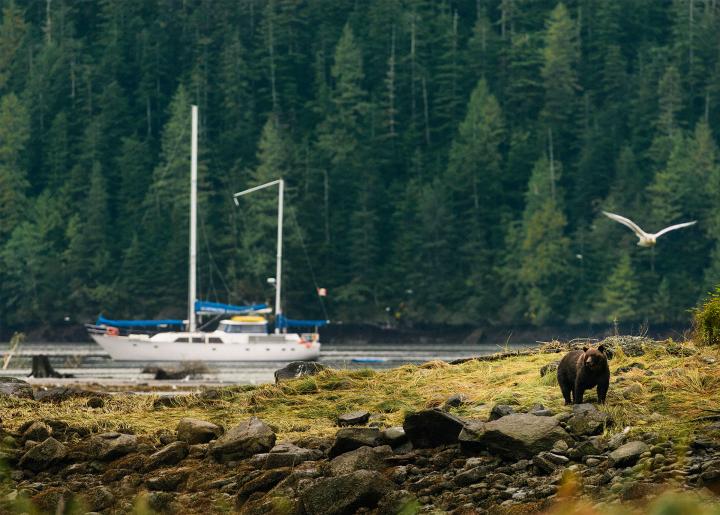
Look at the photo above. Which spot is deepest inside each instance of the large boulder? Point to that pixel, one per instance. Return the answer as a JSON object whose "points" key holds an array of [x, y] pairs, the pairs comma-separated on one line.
{"points": [[250, 437], [352, 438], [354, 418], [13, 387], [628, 454], [38, 431], [108, 446], [168, 480], [62, 393], [298, 369], [515, 436], [500, 411], [432, 427], [587, 420], [194, 431], [346, 494], [364, 458], [171, 454], [43, 455], [285, 455]]}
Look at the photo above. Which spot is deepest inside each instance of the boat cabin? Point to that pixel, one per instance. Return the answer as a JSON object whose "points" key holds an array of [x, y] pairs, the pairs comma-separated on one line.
{"points": [[244, 324]]}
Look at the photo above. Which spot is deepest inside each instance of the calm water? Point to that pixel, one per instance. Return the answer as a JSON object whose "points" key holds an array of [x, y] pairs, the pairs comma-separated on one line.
{"points": [[88, 362]]}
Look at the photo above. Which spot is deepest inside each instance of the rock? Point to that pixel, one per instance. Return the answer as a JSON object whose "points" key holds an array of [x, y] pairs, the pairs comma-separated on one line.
{"points": [[198, 451], [61, 393], [584, 448], [398, 502], [550, 367], [38, 431], [394, 436], [560, 447], [587, 420], [617, 439], [433, 427], [95, 402], [298, 369], [515, 436], [632, 391], [679, 350], [628, 454], [352, 438], [363, 458], [628, 368], [161, 501], [108, 446], [250, 437], [167, 480], [630, 345], [471, 476], [354, 418], [500, 411], [541, 411], [264, 482], [194, 431], [43, 455], [99, 498], [285, 455], [13, 387], [346, 494], [52, 500], [454, 401], [168, 401], [548, 462], [169, 455]]}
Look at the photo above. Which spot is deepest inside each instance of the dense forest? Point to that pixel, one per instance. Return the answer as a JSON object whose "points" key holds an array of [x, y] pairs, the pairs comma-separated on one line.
{"points": [[446, 161]]}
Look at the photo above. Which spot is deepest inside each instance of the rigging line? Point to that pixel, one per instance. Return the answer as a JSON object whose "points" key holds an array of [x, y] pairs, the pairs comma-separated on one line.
{"points": [[212, 258], [307, 258]]}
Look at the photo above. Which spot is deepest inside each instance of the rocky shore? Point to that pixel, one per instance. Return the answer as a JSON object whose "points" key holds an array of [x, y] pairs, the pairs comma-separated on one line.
{"points": [[401, 441]]}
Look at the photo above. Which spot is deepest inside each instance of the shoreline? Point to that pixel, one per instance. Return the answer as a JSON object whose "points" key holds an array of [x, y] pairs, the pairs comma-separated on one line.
{"points": [[435, 439]]}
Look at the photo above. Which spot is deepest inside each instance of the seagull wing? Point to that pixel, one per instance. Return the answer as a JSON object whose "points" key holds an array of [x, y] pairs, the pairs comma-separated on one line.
{"points": [[673, 227], [628, 223]]}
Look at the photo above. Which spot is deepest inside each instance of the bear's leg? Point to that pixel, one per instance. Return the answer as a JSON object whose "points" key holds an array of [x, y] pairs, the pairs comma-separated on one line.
{"points": [[602, 391], [579, 391], [566, 390]]}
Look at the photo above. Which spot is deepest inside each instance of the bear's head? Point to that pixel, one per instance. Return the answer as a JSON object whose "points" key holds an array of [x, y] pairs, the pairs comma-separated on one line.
{"points": [[594, 359]]}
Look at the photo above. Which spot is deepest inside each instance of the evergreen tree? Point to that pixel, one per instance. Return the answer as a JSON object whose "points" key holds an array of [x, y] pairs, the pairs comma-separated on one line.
{"points": [[559, 73], [620, 294], [545, 269], [14, 133]]}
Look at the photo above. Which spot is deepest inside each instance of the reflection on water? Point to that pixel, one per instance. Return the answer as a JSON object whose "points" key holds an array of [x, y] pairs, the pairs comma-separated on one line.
{"points": [[88, 361]]}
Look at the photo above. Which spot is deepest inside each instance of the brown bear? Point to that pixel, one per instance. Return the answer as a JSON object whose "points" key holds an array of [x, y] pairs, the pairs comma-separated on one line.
{"points": [[580, 370]]}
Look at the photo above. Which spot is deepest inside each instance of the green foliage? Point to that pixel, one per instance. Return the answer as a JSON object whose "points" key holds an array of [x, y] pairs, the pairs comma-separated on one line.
{"points": [[619, 297], [416, 142], [707, 319]]}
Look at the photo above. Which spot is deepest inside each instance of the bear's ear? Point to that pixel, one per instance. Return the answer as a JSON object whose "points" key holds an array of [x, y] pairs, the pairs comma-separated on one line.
{"points": [[585, 348], [602, 349]]}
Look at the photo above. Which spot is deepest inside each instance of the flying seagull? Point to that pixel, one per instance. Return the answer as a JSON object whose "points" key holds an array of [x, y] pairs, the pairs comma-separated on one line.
{"points": [[646, 239]]}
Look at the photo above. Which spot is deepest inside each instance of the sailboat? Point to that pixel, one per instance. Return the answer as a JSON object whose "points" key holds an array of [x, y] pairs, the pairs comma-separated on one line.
{"points": [[244, 336]]}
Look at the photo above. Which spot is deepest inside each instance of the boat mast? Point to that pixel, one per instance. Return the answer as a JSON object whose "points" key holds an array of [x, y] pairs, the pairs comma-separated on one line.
{"points": [[193, 220], [278, 265]]}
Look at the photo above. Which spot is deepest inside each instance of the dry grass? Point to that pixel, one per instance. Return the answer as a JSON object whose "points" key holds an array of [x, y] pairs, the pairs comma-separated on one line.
{"points": [[680, 390]]}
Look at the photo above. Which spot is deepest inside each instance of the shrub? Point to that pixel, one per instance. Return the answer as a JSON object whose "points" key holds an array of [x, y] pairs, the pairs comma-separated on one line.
{"points": [[707, 319]]}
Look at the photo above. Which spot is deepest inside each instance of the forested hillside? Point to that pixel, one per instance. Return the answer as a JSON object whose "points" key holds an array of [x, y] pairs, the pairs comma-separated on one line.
{"points": [[446, 159]]}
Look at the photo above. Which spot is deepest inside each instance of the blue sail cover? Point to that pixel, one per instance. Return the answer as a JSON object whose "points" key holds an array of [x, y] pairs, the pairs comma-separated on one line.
{"points": [[138, 323], [204, 307], [283, 322]]}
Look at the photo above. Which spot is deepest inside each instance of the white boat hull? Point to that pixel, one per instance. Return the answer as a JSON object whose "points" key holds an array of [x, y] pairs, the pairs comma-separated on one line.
{"points": [[257, 348]]}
